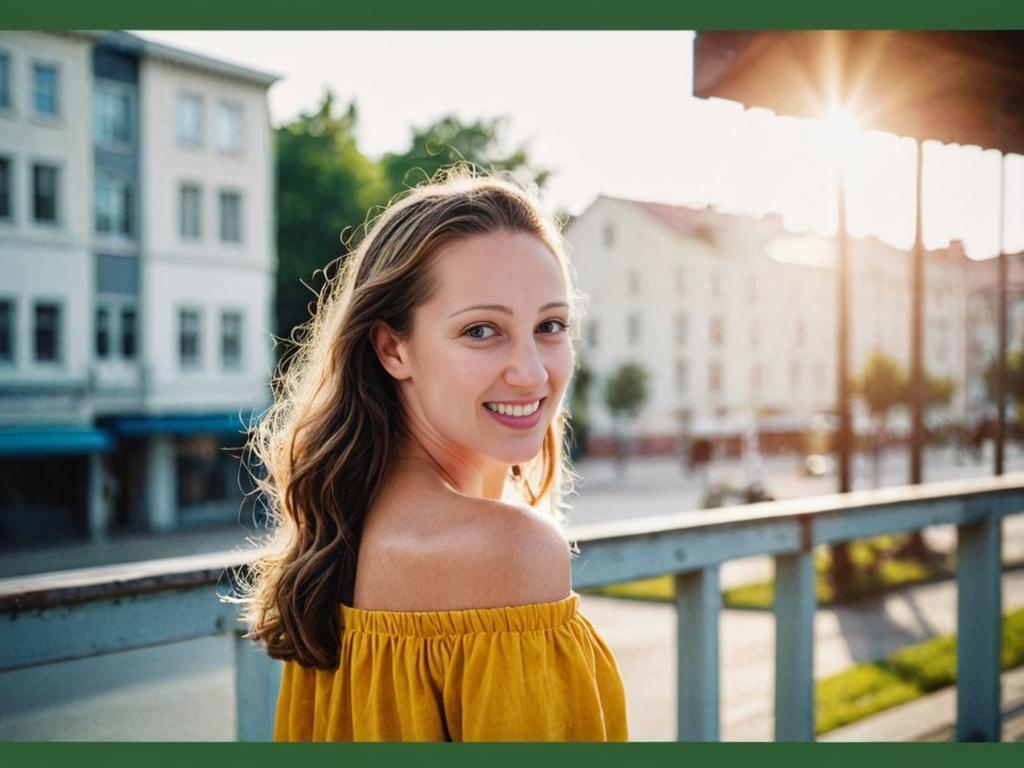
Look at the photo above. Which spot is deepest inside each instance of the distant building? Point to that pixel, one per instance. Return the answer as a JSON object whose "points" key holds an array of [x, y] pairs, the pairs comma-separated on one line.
{"points": [[734, 318], [136, 278]]}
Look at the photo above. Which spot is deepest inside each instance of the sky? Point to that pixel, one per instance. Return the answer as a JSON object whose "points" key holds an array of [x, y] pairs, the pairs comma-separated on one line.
{"points": [[612, 112]]}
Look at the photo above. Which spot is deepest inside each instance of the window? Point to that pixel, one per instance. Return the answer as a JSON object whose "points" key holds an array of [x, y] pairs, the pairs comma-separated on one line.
{"points": [[229, 127], [6, 331], [716, 330], [47, 332], [44, 89], [191, 212], [112, 115], [682, 377], [5, 188], [188, 338], [715, 383], [231, 340], [5, 81], [230, 217], [633, 282], [114, 208], [633, 328], [608, 234], [44, 193], [129, 333], [190, 120], [593, 333], [102, 333], [681, 327]]}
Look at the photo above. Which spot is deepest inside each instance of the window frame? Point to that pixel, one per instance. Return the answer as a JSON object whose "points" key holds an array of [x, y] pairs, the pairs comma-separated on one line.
{"points": [[11, 329], [199, 127], [39, 65], [183, 231], [237, 143], [56, 168], [224, 195], [125, 192], [192, 363], [237, 363], [58, 335], [107, 87]]}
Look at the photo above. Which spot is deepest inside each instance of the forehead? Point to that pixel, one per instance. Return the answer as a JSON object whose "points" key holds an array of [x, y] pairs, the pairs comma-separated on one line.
{"points": [[499, 263]]}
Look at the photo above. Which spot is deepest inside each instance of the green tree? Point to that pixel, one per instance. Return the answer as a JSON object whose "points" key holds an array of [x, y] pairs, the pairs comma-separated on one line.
{"points": [[325, 186], [579, 408], [1014, 379], [625, 393], [448, 141]]}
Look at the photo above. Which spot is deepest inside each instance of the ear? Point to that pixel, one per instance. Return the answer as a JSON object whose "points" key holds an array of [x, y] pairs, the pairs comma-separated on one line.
{"points": [[391, 351]]}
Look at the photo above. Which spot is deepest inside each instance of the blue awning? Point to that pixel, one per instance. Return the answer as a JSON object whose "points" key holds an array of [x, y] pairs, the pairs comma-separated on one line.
{"points": [[53, 441], [175, 424]]}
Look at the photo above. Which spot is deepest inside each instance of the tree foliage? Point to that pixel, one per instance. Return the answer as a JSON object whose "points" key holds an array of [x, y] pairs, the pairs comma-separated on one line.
{"points": [[448, 141], [625, 391], [324, 187], [882, 384], [1014, 382]]}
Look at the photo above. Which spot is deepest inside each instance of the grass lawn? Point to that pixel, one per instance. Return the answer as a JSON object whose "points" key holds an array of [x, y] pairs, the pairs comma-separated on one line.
{"points": [[904, 675]]}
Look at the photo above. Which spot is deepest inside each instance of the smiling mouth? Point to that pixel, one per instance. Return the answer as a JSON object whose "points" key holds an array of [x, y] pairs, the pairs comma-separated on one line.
{"points": [[517, 410]]}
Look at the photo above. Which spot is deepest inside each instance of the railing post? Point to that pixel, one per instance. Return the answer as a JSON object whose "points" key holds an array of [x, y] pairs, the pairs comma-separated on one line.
{"points": [[979, 630], [257, 679], [698, 600], [795, 603]]}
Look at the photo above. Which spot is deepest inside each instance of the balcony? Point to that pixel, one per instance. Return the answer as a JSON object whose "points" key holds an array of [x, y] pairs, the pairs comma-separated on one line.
{"points": [[58, 617]]}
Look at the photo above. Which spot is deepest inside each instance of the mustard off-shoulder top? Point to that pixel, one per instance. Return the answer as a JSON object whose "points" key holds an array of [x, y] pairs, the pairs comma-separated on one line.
{"points": [[535, 672]]}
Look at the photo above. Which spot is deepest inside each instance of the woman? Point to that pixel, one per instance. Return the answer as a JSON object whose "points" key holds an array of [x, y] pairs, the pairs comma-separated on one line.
{"points": [[419, 585]]}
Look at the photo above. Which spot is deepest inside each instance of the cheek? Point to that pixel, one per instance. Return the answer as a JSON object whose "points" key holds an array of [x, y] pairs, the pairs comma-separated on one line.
{"points": [[559, 367]]}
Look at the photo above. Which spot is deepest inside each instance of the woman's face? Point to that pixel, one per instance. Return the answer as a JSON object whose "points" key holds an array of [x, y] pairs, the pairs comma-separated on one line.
{"points": [[487, 362]]}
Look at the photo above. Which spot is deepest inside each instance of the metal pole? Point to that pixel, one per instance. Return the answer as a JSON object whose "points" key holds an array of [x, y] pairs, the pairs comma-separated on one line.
{"points": [[1000, 382], [844, 431], [917, 383]]}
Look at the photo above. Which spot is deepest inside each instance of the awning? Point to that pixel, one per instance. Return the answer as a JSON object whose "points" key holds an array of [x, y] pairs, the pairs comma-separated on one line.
{"points": [[53, 441], [176, 424]]}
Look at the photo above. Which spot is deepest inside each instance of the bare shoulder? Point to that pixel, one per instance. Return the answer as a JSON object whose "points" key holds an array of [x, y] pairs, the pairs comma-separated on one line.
{"points": [[455, 552]]}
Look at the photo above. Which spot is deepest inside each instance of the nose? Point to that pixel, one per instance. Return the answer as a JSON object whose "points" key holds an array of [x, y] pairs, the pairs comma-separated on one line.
{"points": [[526, 369]]}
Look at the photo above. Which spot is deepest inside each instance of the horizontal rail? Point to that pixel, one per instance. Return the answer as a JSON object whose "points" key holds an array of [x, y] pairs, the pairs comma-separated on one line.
{"points": [[76, 614]]}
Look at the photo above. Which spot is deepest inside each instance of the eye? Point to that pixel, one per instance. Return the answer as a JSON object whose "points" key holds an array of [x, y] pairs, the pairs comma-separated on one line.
{"points": [[479, 332], [552, 326]]}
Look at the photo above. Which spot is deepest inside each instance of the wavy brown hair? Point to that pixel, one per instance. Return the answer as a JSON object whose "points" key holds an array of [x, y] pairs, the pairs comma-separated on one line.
{"points": [[328, 441]]}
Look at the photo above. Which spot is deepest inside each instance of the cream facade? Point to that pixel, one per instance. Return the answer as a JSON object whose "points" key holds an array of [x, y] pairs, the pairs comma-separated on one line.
{"points": [[734, 318]]}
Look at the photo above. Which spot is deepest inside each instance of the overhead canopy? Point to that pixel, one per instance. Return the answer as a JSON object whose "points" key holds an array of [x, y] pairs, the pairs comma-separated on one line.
{"points": [[52, 441], [954, 87]]}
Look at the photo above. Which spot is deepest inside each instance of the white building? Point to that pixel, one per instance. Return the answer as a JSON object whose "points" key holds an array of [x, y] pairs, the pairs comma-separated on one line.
{"points": [[734, 319], [137, 258]]}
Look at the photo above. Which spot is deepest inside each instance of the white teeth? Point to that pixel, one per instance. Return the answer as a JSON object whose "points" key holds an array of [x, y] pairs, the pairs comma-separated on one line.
{"points": [[513, 410]]}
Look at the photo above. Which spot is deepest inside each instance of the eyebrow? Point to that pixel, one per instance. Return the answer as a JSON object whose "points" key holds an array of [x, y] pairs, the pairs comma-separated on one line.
{"points": [[508, 310]]}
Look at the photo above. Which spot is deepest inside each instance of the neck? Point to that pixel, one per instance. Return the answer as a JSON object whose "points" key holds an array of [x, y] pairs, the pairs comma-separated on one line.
{"points": [[486, 482]]}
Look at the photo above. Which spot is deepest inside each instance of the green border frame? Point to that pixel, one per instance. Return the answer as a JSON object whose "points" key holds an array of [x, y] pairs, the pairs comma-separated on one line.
{"points": [[520, 14]]}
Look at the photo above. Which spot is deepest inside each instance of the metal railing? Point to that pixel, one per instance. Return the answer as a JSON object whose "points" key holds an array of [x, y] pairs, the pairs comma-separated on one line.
{"points": [[62, 616]]}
